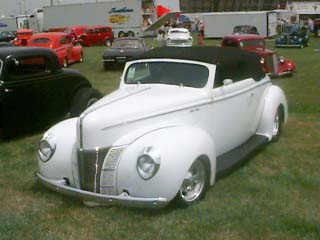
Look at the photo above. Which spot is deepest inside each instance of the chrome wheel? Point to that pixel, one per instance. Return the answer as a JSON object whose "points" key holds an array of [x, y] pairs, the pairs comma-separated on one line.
{"points": [[65, 62], [194, 182], [277, 125]]}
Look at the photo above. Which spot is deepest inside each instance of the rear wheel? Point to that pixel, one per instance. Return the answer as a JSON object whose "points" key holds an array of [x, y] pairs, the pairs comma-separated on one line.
{"points": [[194, 185], [81, 57], [277, 124], [130, 34], [121, 34], [83, 99], [65, 62]]}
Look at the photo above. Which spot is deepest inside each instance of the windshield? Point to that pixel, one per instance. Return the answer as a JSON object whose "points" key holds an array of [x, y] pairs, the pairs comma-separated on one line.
{"points": [[178, 31], [125, 43], [169, 73], [252, 43], [40, 40], [288, 29]]}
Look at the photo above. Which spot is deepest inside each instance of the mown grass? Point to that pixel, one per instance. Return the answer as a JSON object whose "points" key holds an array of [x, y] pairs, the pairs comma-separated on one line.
{"points": [[273, 196]]}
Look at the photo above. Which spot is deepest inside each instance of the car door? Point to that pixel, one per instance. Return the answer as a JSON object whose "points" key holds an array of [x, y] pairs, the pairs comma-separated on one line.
{"points": [[32, 95], [234, 107]]}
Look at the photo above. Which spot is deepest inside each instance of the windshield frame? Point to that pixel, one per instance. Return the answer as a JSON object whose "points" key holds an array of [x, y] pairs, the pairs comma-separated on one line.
{"points": [[210, 67]]}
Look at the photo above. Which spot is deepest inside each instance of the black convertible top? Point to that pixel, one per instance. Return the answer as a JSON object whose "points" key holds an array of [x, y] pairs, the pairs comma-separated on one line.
{"points": [[224, 57], [21, 52]]}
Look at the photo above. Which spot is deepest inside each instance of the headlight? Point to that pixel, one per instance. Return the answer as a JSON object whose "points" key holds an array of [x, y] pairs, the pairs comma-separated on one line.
{"points": [[47, 147], [281, 59], [262, 60], [148, 163]]}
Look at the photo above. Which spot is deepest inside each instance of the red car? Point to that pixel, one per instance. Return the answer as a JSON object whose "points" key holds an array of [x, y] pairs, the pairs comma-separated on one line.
{"points": [[96, 35], [22, 37], [61, 43], [272, 64]]}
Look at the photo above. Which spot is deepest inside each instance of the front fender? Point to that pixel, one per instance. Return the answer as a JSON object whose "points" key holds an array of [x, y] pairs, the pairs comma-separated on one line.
{"points": [[62, 163], [273, 98], [179, 147]]}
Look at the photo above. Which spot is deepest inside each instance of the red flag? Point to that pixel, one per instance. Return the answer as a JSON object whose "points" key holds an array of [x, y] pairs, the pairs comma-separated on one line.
{"points": [[161, 10]]}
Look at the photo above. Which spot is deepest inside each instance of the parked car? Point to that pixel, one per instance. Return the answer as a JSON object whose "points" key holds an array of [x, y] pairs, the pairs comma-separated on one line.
{"points": [[61, 43], [22, 37], [7, 36], [179, 37], [34, 90], [272, 64], [178, 119], [316, 27], [97, 35], [122, 49], [75, 32], [293, 35], [245, 29]]}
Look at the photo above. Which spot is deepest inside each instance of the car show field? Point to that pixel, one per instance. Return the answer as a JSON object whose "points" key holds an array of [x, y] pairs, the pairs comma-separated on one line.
{"points": [[274, 195]]}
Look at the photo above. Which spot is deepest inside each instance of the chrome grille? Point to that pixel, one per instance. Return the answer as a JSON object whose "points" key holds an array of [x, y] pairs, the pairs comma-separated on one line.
{"points": [[108, 172], [90, 165]]}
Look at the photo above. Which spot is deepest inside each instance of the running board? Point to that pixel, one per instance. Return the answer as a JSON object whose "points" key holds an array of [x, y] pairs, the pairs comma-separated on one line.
{"points": [[239, 155]]}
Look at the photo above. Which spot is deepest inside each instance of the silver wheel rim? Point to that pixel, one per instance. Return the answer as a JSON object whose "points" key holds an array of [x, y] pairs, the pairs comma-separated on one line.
{"points": [[108, 43], [91, 101], [193, 182], [276, 124], [81, 58], [65, 63]]}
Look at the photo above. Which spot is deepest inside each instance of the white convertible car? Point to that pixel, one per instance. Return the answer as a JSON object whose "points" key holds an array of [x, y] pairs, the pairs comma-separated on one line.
{"points": [[179, 37], [179, 119]]}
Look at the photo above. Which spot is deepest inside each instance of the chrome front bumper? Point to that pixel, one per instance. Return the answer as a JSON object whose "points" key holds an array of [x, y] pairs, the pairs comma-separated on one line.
{"points": [[279, 75], [123, 199]]}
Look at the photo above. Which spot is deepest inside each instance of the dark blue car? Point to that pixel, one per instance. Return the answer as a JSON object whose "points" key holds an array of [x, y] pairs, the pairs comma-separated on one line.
{"points": [[293, 35]]}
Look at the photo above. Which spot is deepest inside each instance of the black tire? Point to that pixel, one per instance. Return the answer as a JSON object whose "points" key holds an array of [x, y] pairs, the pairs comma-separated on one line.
{"points": [[130, 34], [121, 34], [65, 62], [106, 65], [277, 124], [81, 57], [194, 185], [82, 99]]}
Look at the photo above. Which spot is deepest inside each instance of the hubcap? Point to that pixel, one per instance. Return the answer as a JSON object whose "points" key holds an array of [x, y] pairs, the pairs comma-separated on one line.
{"points": [[276, 124], [193, 182]]}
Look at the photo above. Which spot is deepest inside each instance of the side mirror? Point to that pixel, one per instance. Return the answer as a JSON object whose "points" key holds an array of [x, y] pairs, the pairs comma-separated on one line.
{"points": [[227, 82]]}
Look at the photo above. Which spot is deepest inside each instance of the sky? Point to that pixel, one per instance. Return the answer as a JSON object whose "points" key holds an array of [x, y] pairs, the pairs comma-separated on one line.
{"points": [[17, 7]]}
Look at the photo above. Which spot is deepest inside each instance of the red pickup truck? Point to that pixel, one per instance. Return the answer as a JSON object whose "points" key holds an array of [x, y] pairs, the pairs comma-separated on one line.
{"points": [[96, 35]]}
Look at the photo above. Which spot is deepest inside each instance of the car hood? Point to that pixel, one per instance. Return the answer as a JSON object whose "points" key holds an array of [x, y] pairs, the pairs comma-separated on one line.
{"points": [[135, 107]]}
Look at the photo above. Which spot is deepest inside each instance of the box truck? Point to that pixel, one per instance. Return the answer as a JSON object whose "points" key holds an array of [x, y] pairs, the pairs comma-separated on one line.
{"points": [[220, 24], [124, 16]]}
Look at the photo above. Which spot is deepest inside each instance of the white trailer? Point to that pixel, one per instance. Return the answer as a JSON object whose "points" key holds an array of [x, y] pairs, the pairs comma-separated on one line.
{"points": [[122, 15], [8, 23], [14, 23], [220, 24]]}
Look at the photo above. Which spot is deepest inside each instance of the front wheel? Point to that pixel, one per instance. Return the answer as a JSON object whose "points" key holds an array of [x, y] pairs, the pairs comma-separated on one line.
{"points": [[83, 99], [194, 185], [108, 42]]}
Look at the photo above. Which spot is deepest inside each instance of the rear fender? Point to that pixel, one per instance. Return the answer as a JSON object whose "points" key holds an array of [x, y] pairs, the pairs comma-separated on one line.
{"points": [[274, 98]]}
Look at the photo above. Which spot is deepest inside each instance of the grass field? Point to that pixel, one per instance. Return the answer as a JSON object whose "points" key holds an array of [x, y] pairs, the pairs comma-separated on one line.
{"points": [[275, 195]]}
